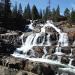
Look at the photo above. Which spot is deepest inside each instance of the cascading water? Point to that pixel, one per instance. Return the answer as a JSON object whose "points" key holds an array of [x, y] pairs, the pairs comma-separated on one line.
{"points": [[31, 41]]}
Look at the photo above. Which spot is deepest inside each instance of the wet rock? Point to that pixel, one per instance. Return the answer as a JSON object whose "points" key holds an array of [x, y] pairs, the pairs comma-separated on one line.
{"points": [[40, 39], [71, 36], [6, 48], [53, 38], [44, 69], [66, 50], [24, 73], [73, 62], [65, 60], [73, 52], [38, 51], [47, 70], [52, 50], [53, 57], [28, 65]]}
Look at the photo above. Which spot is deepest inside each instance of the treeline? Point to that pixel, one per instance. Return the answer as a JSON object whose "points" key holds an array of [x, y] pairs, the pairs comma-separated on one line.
{"points": [[16, 18]]}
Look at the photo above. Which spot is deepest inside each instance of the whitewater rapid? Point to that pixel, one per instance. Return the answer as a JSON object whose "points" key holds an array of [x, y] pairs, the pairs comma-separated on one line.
{"points": [[31, 41]]}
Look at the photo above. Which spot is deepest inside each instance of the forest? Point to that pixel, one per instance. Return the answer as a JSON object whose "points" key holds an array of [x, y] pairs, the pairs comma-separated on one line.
{"points": [[17, 18]]}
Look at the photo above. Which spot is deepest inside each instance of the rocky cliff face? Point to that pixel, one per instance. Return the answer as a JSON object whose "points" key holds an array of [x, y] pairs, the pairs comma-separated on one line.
{"points": [[9, 42]]}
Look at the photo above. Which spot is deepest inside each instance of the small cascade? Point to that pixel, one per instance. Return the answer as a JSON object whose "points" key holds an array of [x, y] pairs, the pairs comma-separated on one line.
{"points": [[45, 52], [35, 39], [30, 26], [63, 39], [21, 37], [42, 39], [70, 61], [48, 39], [27, 45]]}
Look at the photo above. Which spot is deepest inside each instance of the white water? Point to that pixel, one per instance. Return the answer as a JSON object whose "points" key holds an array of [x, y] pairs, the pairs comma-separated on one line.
{"points": [[63, 39], [27, 45], [31, 42], [30, 26]]}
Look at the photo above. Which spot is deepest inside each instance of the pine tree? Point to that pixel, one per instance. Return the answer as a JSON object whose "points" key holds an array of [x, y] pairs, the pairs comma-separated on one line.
{"points": [[14, 11], [35, 13], [73, 16], [67, 13], [20, 12], [41, 14], [45, 13], [1, 9], [56, 14], [27, 12], [7, 8], [54, 18], [58, 11]]}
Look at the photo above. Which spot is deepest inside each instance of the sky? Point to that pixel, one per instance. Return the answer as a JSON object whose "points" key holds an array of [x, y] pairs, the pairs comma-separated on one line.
{"points": [[42, 4]]}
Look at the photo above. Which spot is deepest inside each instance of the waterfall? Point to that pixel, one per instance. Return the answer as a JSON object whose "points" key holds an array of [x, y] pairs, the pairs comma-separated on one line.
{"points": [[27, 45], [45, 52], [63, 39], [21, 37], [48, 39], [31, 41]]}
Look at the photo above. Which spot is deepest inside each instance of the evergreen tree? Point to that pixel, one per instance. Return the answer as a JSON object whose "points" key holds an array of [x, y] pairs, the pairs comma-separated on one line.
{"points": [[14, 11], [20, 12], [27, 12], [7, 8], [46, 13], [35, 13], [58, 11], [67, 13], [41, 14], [56, 14], [1, 10], [73, 16], [54, 18]]}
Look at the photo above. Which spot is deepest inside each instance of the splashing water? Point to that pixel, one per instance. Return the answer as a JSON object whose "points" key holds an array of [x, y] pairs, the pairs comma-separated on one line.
{"points": [[27, 45], [31, 41]]}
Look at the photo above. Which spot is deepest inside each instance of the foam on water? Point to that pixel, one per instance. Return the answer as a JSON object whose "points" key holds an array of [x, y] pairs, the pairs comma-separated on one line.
{"points": [[31, 41], [27, 45]]}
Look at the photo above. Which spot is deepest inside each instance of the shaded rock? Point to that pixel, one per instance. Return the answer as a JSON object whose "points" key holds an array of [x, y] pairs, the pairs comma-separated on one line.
{"points": [[66, 50], [6, 48], [2, 30], [73, 52], [73, 62], [47, 70], [65, 60]]}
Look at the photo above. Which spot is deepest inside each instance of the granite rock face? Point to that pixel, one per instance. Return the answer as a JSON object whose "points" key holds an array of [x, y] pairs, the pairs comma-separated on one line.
{"points": [[9, 42]]}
